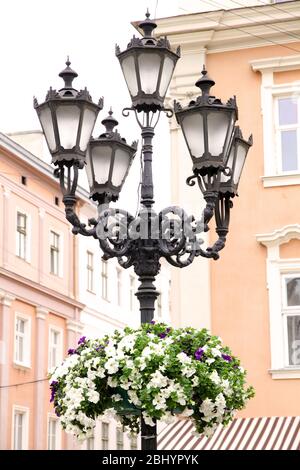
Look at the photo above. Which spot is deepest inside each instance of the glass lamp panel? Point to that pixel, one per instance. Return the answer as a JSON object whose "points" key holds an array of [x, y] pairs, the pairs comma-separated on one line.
{"points": [[129, 71], [67, 122], [217, 125], [225, 178], [121, 164], [47, 125], [239, 162], [149, 65], [101, 160], [166, 76], [89, 168], [88, 122], [192, 126]]}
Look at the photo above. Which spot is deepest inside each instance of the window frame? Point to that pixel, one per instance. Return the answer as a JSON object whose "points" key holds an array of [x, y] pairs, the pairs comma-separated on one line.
{"points": [[27, 240], [269, 91], [288, 311], [24, 410], [57, 250], [119, 441], [119, 286], [27, 340], [279, 128], [276, 267], [59, 330], [104, 280], [105, 438], [90, 271], [53, 418]]}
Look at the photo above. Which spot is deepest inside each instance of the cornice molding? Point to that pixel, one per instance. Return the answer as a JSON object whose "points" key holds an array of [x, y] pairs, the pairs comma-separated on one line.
{"points": [[233, 29], [6, 299], [276, 64], [280, 236]]}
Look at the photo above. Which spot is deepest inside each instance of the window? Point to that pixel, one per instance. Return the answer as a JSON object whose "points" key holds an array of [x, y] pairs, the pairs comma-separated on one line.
{"points": [[22, 235], [55, 347], [24, 180], [53, 434], [90, 271], [119, 439], [281, 120], [56, 200], [283, 285], [90, 443], [22, 340], [159, 307], [131, 292], [20, 428], [105, 435], [288, 134], [133, 443], [291, 316], [104, 279], [119, 286], [54, 253]]}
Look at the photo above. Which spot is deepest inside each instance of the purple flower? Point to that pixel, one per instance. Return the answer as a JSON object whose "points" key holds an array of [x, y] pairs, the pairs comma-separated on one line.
{"points": [[53, 387], [162, 335], [71, 351], [198, 354], [82, 340], [152, 322], [168, 330], [227, 358]]}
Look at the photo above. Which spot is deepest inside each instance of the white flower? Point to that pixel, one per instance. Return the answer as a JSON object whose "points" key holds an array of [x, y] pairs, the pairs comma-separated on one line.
{"points": [[116, 397], [209, 430], [214, 377], [112, 382], [210, 360], [188, 371], [93, 396], [157, 380], [207, 407], [216, 352], [148, 420], [195, 381], [184, 358], [111, 366], [220, 403], [227, 390]]}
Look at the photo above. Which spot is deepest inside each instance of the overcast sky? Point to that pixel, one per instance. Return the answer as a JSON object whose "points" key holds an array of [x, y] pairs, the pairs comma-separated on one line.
{"points": [[37, 35]]}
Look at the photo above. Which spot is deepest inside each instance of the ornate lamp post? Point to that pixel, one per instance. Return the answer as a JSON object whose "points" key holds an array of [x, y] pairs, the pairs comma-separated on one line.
{"points": [[216, 146]]}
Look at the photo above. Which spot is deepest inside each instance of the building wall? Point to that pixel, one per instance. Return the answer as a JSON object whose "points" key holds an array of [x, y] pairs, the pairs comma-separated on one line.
{"points": [[242, 296]]}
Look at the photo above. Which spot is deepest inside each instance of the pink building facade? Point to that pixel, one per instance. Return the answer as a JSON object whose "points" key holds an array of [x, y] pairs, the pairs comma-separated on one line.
{"points": [[40, 316]]}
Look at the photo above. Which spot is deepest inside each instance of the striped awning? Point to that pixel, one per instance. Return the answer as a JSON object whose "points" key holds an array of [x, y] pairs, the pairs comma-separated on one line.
{"points": [[275, 433]]}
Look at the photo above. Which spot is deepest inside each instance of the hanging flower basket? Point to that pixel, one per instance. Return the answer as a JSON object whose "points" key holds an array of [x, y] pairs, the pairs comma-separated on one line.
{"points": [[156, 371]]}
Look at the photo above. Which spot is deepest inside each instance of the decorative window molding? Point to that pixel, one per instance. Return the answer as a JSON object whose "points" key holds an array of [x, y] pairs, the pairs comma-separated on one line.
{"points": [[20, 427], [22, 340], [277, 271], [53, 433], [56, 247], [55, 348], [23, 234], [270, 93]]}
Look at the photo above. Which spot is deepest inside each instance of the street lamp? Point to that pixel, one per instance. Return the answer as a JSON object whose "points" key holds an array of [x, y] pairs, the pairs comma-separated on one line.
{"points": [[216, 146]]}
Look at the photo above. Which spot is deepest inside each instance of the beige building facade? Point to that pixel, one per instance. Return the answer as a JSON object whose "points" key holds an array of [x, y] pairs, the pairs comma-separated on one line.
{"points": [[251, 296]]}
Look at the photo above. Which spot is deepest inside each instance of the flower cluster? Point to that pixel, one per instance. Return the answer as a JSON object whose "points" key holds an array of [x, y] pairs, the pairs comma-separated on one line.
{"points": [[154, 370]]}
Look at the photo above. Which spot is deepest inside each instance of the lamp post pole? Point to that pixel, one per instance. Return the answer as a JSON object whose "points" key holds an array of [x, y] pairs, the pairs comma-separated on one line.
{"points": [[215, 144]]}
